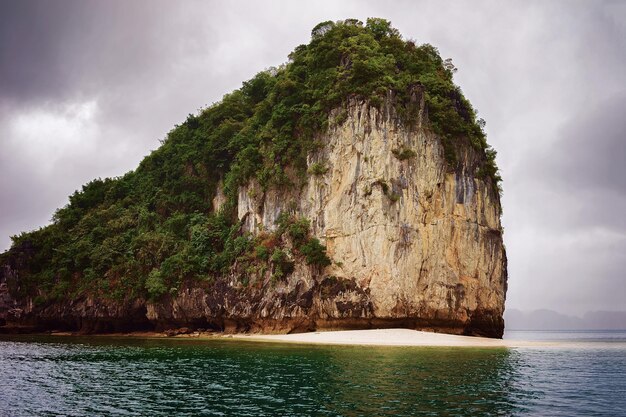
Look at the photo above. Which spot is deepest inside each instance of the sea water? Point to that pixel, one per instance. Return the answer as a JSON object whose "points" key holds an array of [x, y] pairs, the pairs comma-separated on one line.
{"points": [[584, 374]]}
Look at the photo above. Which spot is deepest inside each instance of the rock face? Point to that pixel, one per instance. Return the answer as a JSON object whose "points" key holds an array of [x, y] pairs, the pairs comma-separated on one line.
{"points": [[414, 244]]}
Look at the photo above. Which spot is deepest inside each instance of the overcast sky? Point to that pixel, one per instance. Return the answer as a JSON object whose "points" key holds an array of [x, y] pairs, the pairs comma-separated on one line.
{"points": [[88, 88]]}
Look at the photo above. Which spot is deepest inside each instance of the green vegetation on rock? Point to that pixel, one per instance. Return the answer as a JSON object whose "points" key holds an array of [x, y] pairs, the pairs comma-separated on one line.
{"points": [[147, 233], [318, 168], [404, 153]]}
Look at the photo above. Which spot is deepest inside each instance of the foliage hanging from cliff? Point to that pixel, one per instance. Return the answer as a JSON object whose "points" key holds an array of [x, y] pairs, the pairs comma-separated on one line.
{"points": [[149, 231]]}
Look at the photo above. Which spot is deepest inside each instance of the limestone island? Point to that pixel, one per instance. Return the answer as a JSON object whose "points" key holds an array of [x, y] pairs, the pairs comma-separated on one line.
{"points": [[349, 188]]}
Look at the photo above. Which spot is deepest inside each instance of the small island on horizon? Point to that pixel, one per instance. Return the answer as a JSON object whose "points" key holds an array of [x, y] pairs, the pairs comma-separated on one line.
{"points": [[350, 188]]}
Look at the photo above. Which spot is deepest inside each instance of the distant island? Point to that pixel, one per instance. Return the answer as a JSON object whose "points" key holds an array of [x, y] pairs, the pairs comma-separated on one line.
{"points": [[552, 320], [350, 188]]}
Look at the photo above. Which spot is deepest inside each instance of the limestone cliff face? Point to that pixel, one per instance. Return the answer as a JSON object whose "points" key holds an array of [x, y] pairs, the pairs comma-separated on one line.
{"points": [[422, 243], [414, 244]]}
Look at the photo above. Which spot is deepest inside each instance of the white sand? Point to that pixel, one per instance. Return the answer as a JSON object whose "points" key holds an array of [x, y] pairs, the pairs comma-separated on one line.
{"points": [[387, 337]]}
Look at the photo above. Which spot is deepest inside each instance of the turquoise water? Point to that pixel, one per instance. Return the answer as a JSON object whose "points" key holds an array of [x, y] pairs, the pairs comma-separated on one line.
{"points": [[49, 376]]}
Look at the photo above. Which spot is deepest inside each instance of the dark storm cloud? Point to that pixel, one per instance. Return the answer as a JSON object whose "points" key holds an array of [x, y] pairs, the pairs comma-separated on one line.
{"points": [[591, 151], [28, 54], [581, 176], [54, 50], [88, 87]]}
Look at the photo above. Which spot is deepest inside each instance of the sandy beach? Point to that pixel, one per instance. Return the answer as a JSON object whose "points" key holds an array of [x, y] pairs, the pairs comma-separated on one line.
{"points": [[387, 337], [371, 337]]}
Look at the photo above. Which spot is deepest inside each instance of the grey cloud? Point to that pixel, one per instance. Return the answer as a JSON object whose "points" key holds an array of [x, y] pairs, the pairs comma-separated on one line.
{"points": [[579, 180], [591, 152], [567, 231], [51, 51], [28, 52]]}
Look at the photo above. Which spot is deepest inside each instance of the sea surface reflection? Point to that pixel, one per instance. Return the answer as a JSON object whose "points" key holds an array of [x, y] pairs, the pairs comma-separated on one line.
{"points": [[108, 376]]}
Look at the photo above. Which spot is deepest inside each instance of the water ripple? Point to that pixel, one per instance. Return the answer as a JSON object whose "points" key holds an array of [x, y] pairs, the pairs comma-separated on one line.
{"points": [[84, 377]]}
